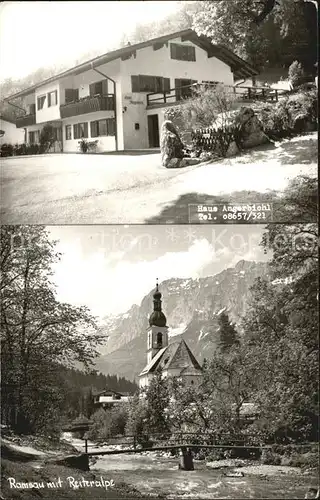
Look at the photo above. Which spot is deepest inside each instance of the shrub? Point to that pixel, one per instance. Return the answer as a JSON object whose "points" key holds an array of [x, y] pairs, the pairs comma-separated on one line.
{"points": [[296, 73], [83, 145], [86, 146], [7, 150], [268, 457], [47, 138]]}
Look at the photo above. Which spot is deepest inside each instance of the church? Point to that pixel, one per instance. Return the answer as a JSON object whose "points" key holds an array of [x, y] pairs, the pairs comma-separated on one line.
{"points": [[174, 359]]}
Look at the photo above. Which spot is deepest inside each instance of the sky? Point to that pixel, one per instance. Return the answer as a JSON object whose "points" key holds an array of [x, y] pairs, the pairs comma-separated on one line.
{"points": [[110, 268], [40, 34]]}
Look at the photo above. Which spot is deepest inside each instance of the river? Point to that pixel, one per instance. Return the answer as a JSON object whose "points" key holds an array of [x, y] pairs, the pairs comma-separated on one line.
{"points": [[158, 475]]}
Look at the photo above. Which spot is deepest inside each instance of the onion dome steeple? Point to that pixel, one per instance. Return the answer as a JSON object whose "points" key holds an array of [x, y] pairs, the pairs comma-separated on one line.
{"points": [[157, 318]]}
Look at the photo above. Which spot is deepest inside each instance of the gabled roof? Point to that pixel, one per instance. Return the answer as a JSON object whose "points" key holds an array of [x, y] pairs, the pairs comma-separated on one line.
{"points": [[109, 391], [239, 67], [176, 356]]}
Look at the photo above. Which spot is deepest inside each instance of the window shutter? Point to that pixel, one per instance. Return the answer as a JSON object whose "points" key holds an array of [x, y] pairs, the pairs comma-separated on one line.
{"points": [[104, 87], [135, 85], [111, 126], [177, 85], [166, 84], [69, 95], [49, 100], [75, 132], [173, 51], [32, 109], [94, 129], [192, 53], [75, 94], [92, 89], [85, 129]]}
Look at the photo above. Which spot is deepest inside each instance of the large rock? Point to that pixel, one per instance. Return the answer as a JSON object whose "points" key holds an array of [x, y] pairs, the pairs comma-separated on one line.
{"points": [[80, 462], [252, 134], [171, 146]]}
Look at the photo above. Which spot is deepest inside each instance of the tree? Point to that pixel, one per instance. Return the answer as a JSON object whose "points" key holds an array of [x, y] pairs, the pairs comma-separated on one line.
{"points": [[263, 32], [47, 137], [157, 398], [38, 333], [296, 73], [280, 329], [227, 333]]}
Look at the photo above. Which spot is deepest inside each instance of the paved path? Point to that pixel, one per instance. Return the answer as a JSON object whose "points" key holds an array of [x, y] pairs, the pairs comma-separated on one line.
{"points": [[123, 189]]}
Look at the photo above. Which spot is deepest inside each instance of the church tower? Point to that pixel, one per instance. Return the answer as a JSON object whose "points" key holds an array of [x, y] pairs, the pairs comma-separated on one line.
{"points": [[158, 330]]}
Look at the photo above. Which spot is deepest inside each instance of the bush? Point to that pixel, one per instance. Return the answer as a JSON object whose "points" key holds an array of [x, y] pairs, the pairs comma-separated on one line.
{"points": [[290, 116], [47, 138], [296, 73], [86, 146], [268, 457], [7, 150]]}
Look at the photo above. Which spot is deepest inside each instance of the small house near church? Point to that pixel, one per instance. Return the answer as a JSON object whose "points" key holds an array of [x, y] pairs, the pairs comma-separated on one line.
{"points": [[172, 359], [109, 398]]}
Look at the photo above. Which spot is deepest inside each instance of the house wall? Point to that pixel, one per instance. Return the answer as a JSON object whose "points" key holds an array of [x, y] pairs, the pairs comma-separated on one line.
{"points": [[159, 63], [12, 134], [82, 82], [53, 112], [105, 143]]}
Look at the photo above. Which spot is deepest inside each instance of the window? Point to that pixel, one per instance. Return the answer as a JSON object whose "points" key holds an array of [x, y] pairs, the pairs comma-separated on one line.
{"points": [[182, 52], [71, 95], [102, 127], [99, 88], [41, 100], [159, 339], [68, 132], [146, 83], [52, 98], [80, 131]]}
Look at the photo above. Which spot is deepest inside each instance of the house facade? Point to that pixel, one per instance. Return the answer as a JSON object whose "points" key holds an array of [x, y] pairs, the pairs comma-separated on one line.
{"points": [[118, 99], [109, 398], [172, 359]]}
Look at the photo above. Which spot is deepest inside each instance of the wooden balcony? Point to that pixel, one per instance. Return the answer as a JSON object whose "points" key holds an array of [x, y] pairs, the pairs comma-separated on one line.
{"points": [[177, 95], [26, 121], [88, 105]]}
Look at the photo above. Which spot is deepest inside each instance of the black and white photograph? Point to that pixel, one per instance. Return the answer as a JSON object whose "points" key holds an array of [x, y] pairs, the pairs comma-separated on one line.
{"points": [[127, 112], [170, 361], [159, 250]]}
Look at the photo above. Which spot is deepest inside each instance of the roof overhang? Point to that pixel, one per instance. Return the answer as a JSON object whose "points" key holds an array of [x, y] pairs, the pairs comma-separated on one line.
{"points": [[239, 67]]}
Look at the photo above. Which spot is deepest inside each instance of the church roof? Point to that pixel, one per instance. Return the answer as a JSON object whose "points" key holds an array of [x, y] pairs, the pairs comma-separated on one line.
{"points": [[176, 356]]}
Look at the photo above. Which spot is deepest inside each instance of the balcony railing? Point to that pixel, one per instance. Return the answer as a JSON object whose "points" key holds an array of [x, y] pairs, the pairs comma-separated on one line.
{"points": [[178, 94], [88, 105], [25, 121]]}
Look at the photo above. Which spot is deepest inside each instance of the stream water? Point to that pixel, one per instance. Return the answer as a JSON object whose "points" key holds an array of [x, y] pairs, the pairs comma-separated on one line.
{"points": [[153, 474], [160, 475]]}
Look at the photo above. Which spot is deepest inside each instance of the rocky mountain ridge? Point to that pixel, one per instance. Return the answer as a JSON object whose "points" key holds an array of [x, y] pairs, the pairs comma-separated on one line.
{"points": [[192, 307]]}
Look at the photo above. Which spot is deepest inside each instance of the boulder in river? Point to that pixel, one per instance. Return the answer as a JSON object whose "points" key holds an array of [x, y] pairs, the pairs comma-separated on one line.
{"points": [[80, 462]]}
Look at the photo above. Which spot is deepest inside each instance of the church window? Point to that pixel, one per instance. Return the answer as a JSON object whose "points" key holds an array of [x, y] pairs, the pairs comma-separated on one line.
{"points": [[159, 339]]}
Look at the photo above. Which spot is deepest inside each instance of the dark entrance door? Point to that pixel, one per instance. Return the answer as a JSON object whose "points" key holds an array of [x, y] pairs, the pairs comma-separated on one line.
{"points": [[153, 131]]}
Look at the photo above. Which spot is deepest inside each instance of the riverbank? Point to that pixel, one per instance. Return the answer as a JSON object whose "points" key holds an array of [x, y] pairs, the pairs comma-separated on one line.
{"points": [[25, 482], [143, 475]]}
